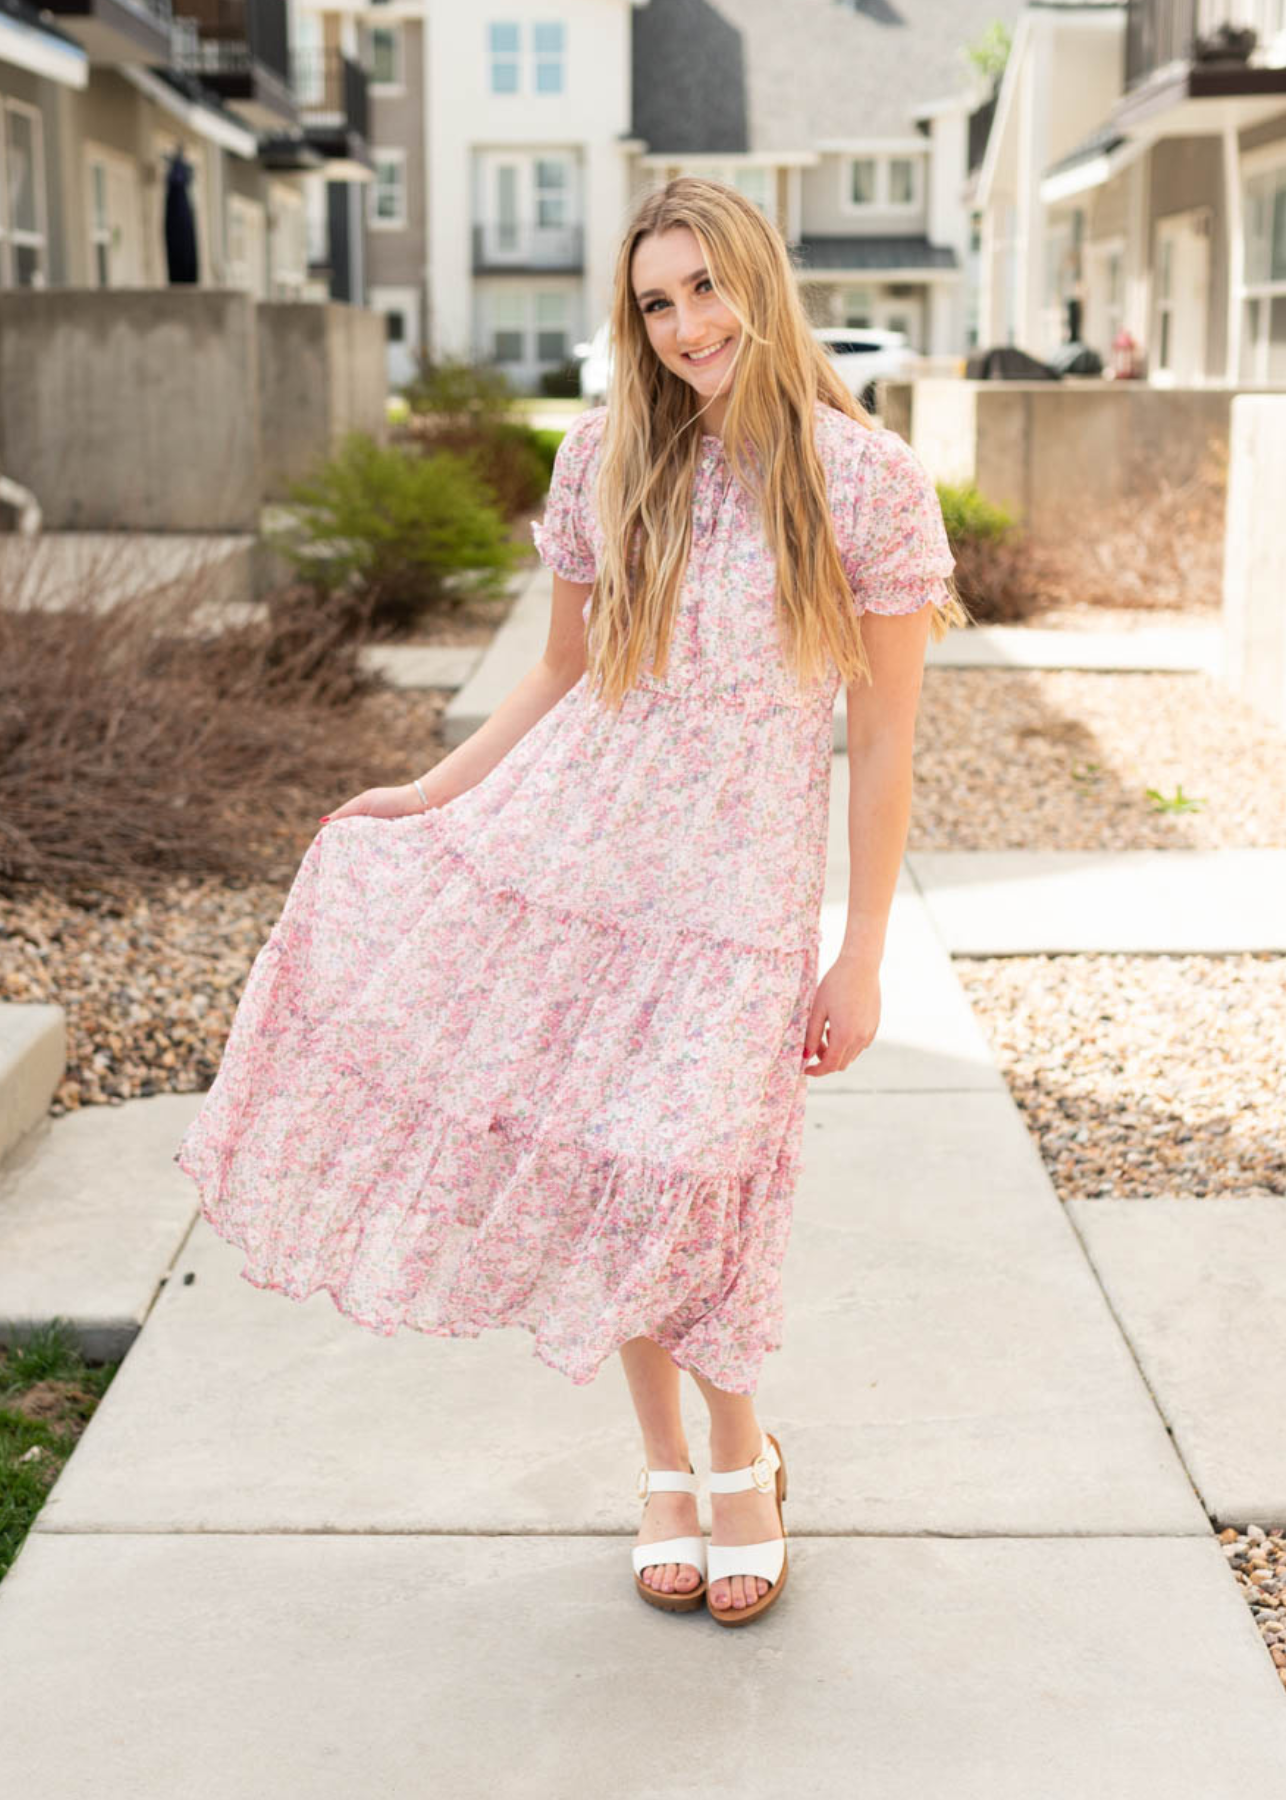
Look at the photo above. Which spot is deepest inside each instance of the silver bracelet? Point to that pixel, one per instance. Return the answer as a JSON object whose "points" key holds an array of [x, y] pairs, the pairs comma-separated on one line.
{"points": [[415, 782]]}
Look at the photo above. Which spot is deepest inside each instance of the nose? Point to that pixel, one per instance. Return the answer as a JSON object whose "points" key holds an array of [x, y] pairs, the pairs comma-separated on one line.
{"points": [[688, 330]]}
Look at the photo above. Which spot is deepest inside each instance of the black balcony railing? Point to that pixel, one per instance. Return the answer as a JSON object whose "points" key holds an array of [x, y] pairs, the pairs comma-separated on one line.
{"points": [[235, 34], [1160, 32], [514, 246], [330, 84]]}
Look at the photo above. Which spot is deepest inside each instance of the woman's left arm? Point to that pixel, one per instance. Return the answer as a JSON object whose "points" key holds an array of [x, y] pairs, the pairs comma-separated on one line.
{"points": [[881, 733]]}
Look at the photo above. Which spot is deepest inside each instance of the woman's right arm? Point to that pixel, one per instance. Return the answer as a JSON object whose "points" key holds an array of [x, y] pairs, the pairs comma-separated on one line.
{"points": [[560, 667]]}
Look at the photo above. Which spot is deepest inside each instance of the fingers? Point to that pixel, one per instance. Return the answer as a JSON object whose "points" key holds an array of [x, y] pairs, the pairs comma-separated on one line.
{"points": [[833, 1056]]}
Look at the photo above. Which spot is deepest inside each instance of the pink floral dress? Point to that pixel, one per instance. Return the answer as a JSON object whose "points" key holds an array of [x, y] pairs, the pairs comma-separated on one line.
{"points": [[534, 1058]]}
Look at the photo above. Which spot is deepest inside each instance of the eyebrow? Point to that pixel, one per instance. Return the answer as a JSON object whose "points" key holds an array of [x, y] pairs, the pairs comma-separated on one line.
{"points": [[654, 293]]}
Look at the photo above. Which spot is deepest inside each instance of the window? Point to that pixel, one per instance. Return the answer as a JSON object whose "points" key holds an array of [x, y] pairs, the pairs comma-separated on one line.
{"points": [[901, 181], [547, 50], [395, 327], [551, 327], [502, 43], [386, 56], [547, 47], [100, 225], [388, 190], [508, 327], [550, 185], [1263, 350], [882, 181], [21, 208], [862, 181], [858, 308]]}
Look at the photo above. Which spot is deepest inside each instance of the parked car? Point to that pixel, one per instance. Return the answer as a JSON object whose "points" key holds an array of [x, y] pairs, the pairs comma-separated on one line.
{"points": [[864, 357], [595, 359], [861, 359]]}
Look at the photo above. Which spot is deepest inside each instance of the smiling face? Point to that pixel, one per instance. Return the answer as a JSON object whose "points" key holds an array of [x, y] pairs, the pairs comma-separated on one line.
{"points": [[688, 326]]}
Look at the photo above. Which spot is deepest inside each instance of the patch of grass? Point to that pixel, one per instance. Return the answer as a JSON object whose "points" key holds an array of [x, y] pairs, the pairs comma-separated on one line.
{"points": [[48, 1394], [1178, 802]]}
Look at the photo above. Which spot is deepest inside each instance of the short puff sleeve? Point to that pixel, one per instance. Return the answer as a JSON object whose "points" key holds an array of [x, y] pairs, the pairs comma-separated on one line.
{"points": [[899, 551], [564, 538]]}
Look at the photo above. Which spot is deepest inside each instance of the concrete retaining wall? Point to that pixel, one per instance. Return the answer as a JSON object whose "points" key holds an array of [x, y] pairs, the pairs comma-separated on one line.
{"points": [[321, 375], [177, 408], [1060, 452], [1254, 607], [132, 408]]}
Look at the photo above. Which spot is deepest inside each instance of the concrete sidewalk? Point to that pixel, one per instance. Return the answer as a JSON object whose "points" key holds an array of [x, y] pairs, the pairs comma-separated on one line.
{"points": [[292, 1557]]}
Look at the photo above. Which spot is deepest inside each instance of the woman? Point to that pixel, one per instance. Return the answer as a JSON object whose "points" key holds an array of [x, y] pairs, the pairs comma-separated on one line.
{"points": [[528, 1045]]}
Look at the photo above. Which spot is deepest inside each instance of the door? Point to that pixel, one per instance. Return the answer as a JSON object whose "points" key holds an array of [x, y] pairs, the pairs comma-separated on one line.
{"points": [[1182, 298], [115, 220]]}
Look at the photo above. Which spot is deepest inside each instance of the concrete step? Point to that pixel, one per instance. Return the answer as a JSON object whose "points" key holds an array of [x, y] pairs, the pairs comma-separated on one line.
{"points": [[58, 569], [423, 665], [1020, 902], [1195, 648], [33, 1055], [92, 1212]]}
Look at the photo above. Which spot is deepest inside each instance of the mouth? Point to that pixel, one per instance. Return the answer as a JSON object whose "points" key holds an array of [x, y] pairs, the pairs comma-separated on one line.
{"points": [[712, 353]]}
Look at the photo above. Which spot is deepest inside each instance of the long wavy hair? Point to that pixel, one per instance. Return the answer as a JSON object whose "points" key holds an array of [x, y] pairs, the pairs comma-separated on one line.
{"points": [[652, 444]]}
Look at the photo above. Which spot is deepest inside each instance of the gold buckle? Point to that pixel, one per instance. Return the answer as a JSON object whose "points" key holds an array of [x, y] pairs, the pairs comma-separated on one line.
{"points": [[640, 1486], [762, 1472]]}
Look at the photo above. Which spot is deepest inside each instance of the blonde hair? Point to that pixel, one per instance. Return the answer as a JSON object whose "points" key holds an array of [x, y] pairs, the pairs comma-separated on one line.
{"points": [[652, 443]]}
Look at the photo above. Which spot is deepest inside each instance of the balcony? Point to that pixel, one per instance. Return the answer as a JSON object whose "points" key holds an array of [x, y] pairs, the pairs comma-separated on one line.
{"points": [[1162, 33], [117, 31], [501, 248], [330, 92], [239, 49]]}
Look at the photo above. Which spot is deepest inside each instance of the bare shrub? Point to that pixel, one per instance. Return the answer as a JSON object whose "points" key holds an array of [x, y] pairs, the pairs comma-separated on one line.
{"points": [[1161, 545], [137, 741]]}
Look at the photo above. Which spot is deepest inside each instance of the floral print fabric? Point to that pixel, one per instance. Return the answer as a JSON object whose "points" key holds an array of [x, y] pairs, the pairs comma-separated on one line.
{"points": [[534, 1058]]}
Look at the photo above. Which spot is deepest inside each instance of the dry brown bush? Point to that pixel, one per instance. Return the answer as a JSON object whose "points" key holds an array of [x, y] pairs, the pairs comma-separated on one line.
{"points": [[135, 744], [1160, 547]]}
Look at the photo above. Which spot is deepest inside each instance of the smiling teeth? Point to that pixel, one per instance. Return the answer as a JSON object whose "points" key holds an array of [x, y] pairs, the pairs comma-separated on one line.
{"points": [[704, 355]]}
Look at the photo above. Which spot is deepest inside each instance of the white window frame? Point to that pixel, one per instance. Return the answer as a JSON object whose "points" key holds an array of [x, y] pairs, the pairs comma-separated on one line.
{"points": [[527, 60], [496, 57], [525, 301], [393, 31], [396, 155], [14, 237], [1268, 162], [549, 59], [881, 203]]}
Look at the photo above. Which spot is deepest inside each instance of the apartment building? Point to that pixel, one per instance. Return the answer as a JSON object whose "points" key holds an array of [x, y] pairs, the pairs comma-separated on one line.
{"points": [[99, 100], [849, 121], [1135, 180], [528, 110], [394, 42]]}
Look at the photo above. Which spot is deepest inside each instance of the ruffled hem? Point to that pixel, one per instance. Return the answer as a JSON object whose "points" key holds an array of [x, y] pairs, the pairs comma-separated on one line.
{"points": [[456, 1231]]}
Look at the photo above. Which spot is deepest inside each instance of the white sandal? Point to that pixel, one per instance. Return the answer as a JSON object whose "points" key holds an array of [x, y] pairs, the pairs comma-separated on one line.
{"points": [[676, 1550], [767, 1559]]}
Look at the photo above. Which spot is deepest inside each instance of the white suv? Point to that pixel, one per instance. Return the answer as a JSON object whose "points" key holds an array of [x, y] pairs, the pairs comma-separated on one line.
{"points": [[861, 359]]}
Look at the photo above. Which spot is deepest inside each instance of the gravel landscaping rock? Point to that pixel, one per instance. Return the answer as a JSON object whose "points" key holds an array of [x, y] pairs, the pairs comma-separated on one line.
{"points": [[1143, 1076], [1258, 1560], [1061, 760]]}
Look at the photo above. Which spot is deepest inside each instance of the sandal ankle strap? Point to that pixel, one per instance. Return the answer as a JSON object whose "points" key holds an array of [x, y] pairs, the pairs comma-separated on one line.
{"points": [[757, 1474], [666, 1481]]}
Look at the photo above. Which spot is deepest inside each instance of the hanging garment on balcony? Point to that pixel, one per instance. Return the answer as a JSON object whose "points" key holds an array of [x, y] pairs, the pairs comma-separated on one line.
{"points": [[180, 225]]}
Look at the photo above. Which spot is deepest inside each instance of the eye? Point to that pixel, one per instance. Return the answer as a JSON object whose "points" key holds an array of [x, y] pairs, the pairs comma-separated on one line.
{"points": [[705, 281]]}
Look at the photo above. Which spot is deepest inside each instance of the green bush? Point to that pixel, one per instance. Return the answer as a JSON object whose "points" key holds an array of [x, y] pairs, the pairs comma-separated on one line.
{"points": [[968, 514], [562, 383], [458, 389], [510, 458], [412, 533]]}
